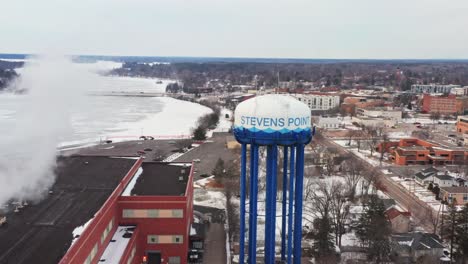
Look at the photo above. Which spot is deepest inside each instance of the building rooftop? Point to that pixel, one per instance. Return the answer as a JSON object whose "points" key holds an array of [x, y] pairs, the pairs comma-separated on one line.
{"points": [[413, 148], [42, 231], [418, 241], [444, 177], [116, 248], [455, 189], [162, 179]]}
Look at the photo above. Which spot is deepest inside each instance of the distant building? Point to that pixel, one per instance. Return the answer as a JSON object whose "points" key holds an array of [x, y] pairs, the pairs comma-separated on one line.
{"points": [[328, 122], [400, 220], [413, 151], [444, 180], [424, 177], [443, 104], [319, 101], [462, 124], [413, 247], [381, 112], [433, 88], [460, 91], [459, 193], [373, 121]]}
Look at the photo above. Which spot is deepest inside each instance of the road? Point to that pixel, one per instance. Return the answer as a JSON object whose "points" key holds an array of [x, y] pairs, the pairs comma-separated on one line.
{"points": [[215, 237], [419, 210]]}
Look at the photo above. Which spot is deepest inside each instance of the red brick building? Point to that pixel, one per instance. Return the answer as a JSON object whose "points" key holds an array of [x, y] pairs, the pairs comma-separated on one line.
{"points": [[412, 151], [147, 219], [462, 124], [443, 104]]}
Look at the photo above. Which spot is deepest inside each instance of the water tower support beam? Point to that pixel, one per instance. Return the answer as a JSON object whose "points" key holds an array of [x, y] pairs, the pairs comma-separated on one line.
{"points": [[253, 204], [292, 169], [242, 203], [283, 204], [298, 203]]}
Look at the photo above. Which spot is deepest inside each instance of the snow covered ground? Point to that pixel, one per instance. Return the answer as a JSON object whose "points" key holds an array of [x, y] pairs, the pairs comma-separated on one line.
{"points": [[421, 192]]}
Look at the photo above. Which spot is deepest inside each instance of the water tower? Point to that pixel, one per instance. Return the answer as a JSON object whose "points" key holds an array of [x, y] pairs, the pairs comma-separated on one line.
{"points": [[273, 121]]}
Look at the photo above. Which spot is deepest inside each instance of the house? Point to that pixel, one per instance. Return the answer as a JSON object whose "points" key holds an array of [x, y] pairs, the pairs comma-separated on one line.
{"points": [[443, 180], [329, 122], [399, 220], [424, 177], [461, 182], [459, 193], [415, 246]]}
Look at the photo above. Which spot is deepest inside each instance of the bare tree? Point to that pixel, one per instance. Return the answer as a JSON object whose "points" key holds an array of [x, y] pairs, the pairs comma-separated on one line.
{"points": [[434, 116], [383, 146], [352, 134], [329, 160], [339, 209], [353, 172]]}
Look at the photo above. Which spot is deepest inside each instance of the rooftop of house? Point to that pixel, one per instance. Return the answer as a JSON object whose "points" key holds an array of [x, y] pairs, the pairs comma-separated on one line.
{"points": [[417, 241], [455, 189], [393, 213], [443, 177], [162, 179]]}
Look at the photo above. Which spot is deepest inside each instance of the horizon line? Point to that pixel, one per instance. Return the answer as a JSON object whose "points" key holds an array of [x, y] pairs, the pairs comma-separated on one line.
{"points": [[238, 58]]}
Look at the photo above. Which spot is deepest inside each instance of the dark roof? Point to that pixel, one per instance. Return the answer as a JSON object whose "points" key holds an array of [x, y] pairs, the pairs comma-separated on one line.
{"points": [[455, 189], [388, 203], [167, 179], [443, 177], [430, 170], [42, 232], [421, 176], [418, 240]]}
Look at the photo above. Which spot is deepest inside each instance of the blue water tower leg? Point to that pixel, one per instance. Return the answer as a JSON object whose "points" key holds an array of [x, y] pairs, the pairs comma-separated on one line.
{"points": [[298, 204], [274, 187], [284, 201], [268, 198], [253, 204], [292, 169], [242, 203]]}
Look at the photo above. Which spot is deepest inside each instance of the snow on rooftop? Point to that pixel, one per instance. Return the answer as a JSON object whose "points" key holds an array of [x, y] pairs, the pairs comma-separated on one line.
{"points": [[406, 243], [79, 230], [116, 247], [128, 189]]}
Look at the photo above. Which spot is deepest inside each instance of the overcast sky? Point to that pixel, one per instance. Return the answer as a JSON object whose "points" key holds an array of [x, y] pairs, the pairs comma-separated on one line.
{"points": [[238, 28]]}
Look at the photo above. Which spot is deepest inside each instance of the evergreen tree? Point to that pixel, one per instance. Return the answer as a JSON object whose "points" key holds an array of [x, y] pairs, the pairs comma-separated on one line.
{"points": [[374, 230], [448, 228], [461, 235], [323, 240], [430, 186]]}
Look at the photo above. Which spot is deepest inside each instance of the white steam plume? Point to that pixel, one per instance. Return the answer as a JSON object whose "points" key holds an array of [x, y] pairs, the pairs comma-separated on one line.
{"points": [[54, 86]]}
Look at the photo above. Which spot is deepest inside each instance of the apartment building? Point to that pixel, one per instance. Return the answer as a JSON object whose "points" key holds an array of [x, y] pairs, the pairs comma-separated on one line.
{"points": [[319, 101], [433, 88]]}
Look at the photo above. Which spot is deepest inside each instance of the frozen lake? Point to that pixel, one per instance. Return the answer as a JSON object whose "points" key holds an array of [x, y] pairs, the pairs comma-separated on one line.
{"points": [[117, 117]]}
